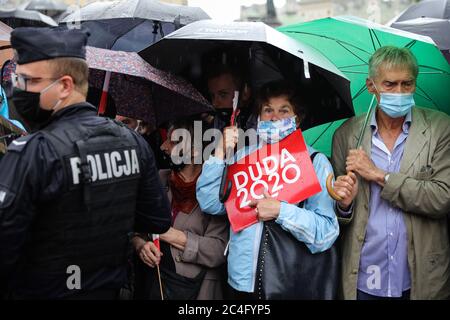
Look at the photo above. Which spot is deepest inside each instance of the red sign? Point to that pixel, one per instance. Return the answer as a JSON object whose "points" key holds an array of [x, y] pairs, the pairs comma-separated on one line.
{"points": [[283, 169]]}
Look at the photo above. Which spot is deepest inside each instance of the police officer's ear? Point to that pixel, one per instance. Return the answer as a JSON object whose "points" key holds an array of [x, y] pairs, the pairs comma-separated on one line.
{"points": [[68, 86]]}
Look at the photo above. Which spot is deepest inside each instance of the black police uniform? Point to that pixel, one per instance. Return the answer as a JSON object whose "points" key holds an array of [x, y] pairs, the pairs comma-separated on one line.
{"points": [[73, 193], [52, 216]]}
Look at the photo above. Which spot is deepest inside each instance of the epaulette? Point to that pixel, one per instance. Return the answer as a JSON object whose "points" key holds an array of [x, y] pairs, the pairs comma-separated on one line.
{"points": [[19, 144]]}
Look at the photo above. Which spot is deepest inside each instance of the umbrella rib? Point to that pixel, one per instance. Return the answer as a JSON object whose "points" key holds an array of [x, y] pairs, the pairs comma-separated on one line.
{"points": [[436, 72], [330, 38], [124, 33], [360, 91], [350, 51], [410, 44], [371, 39], [376, 37], [426, 96], [352, 66], [439, 71], [323, 132], [354, 72], [267, 64]]}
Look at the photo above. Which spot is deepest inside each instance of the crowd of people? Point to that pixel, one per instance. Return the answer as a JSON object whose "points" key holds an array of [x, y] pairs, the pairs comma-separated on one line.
{"points": [[83, 197]]}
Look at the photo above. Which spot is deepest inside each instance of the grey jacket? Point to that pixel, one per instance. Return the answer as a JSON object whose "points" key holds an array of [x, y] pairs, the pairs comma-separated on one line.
{"points": [[421, 189], [207, 237]]}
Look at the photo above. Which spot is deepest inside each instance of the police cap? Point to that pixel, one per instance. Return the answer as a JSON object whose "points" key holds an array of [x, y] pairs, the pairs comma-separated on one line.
{"points": [[35, 44]]}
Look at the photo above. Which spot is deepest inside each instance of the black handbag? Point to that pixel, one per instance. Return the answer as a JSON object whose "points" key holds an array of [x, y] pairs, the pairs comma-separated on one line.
{"points": [[287, 270], [177, 287]]}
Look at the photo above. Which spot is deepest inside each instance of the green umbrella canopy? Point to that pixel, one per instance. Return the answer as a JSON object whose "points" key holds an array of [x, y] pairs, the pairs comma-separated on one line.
{"points": [[349, 42]]}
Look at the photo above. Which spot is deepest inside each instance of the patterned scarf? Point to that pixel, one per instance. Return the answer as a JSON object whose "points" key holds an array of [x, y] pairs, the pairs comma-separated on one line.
{"points": [[183, 193]]}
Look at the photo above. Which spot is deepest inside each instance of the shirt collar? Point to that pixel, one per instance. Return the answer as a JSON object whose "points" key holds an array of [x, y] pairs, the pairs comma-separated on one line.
{"points": [[405, 126]]}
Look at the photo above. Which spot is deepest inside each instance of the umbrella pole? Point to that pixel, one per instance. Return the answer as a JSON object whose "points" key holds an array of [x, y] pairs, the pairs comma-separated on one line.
{"points": [[330, 177]]}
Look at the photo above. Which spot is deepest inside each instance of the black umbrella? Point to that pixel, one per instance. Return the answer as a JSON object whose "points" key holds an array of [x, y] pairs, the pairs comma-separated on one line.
{"points": [[436, 29], [439, 9], [267, 55], [25, 18], [131, 25], [429, 18]]}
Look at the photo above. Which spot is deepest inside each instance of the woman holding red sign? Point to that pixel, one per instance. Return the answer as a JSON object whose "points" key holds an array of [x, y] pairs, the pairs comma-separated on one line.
{"points": [[312, 224]]}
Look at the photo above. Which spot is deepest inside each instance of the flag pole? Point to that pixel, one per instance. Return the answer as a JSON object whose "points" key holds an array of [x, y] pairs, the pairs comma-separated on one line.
{"points": [[156, 243], [224, 194], [104, 96]]}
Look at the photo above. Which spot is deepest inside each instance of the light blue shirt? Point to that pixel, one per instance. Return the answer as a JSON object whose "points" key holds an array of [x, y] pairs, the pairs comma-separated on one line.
{"points": [[316, 224], [383, 269]]}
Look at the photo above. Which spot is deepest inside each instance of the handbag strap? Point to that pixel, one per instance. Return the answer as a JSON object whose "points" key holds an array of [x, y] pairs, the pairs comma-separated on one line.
{"points": [[312, 156]]}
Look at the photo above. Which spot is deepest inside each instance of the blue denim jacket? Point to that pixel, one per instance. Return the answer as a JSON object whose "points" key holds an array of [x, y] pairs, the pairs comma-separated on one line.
{"points": [[316, 224]]}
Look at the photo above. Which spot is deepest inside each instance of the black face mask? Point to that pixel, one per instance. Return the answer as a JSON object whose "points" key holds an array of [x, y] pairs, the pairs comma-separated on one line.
{"points": [[27, 105], [172, 166]]}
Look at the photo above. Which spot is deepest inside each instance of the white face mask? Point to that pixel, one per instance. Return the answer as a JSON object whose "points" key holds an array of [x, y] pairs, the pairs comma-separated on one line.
{"points": [[274, 131], [46, 89]]}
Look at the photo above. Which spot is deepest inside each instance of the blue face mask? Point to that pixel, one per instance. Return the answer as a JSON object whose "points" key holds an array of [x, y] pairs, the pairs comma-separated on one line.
{"points": [[396, 105], [274, 131]]}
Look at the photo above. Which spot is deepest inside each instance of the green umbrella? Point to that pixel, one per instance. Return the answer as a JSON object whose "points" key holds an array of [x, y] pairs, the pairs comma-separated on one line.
{"points": [[349, 42]]}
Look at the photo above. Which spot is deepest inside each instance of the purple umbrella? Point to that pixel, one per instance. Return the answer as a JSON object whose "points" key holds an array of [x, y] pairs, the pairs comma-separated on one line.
{"points": [[141, 91]]}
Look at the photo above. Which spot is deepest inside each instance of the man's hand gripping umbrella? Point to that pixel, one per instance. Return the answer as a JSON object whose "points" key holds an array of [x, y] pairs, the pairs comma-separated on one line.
{"points": [[350, 175]]}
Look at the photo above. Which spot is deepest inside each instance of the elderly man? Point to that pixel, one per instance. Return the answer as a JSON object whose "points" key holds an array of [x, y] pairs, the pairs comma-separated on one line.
{"points": [[395, 190]]}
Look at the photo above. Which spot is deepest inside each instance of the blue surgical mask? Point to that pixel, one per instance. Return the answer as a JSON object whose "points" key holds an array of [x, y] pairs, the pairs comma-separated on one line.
{"points": [[274, 131], [396, 105]]}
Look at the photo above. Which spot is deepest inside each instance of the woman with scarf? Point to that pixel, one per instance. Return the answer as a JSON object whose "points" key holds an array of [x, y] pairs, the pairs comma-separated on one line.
{"points": [[192, 250], [280, 111]]}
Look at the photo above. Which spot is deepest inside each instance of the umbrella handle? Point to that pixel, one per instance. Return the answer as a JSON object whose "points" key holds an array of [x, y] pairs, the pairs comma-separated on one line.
{"points": [[330, 189], [329, 185]]}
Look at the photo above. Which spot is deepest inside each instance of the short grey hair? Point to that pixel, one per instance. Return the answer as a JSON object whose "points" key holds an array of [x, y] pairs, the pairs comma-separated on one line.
{"points": [[392, 57]]}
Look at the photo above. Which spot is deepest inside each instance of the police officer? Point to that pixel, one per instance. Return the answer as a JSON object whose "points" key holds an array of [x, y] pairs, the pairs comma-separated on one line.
{"points": [[72, 193]]}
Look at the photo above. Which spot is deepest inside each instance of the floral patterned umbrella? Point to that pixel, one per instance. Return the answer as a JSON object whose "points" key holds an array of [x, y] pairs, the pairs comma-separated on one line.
{"points": [[142, 91]]}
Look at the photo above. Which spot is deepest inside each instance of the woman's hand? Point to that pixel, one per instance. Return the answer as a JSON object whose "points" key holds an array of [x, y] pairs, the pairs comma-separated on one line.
{"points": [[228, 141], [147, 251], [266, 209], [175, 238]]}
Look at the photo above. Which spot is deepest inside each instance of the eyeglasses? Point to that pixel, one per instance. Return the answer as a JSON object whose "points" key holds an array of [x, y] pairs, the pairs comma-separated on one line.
{"points": [[20, 81]]}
